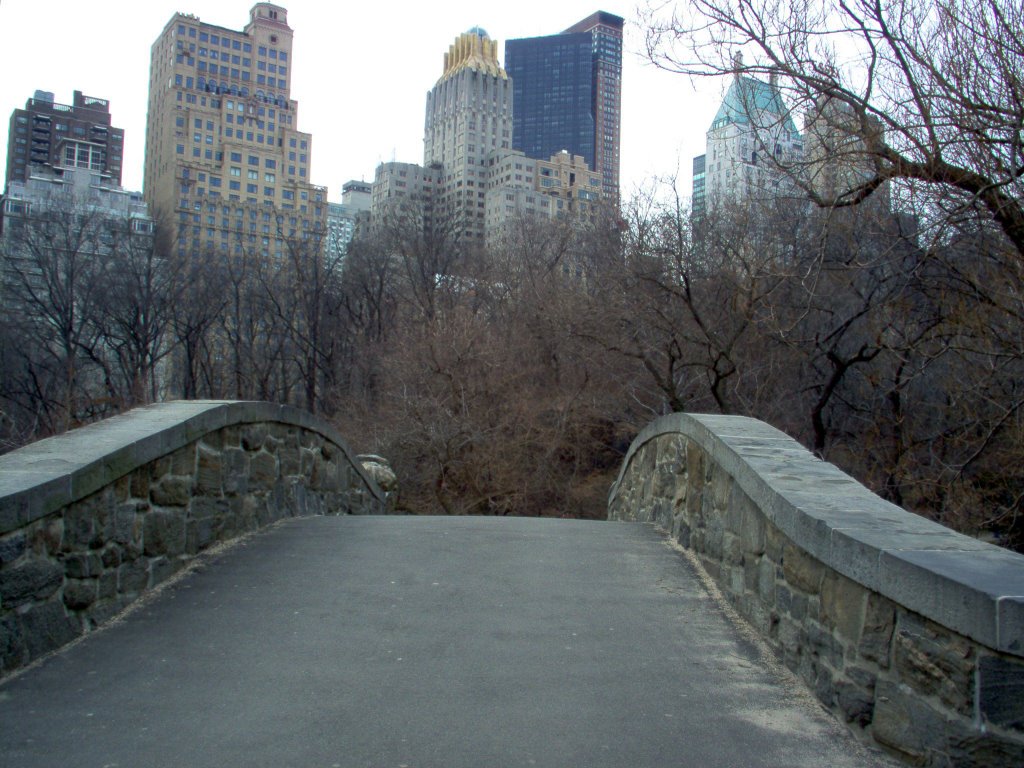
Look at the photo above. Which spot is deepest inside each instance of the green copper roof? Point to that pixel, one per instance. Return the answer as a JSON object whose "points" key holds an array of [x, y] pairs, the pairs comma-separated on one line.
{"points": [[749, 98]]}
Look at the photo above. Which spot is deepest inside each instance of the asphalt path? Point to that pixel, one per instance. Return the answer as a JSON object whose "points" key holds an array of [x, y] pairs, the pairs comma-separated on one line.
{"points": [[414, 642]]}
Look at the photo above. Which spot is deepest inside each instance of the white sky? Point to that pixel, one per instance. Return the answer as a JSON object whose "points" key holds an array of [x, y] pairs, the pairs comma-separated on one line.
{"points": [[360, 72]]}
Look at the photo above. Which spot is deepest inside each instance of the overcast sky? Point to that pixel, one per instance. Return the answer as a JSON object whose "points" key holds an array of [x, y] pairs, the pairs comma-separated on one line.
{"points": [[360, 73]]}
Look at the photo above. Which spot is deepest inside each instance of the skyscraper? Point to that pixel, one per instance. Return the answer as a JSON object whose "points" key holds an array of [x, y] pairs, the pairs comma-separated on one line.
{"points": [[226, 163], [76, 135], [750, 139], [468, 116], [568, 94]]}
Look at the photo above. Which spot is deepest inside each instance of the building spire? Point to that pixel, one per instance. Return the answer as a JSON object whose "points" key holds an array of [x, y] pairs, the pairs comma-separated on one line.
{"points": [[473, 50]]}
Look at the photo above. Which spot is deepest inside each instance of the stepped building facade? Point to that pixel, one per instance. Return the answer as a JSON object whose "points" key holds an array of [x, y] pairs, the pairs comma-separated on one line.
{"points": [[227, 166]]}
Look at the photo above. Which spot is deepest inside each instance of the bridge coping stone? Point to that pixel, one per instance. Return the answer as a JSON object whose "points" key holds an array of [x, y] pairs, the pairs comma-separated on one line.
{"points": [[47, 475], [972, 587]]}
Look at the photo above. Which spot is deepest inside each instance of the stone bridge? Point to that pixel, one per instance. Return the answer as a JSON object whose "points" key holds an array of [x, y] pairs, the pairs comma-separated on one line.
{"points": [[216, 583]]}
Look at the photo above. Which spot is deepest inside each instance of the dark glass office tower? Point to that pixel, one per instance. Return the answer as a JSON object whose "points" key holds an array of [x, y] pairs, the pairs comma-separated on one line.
{"points": [[567, 94]]}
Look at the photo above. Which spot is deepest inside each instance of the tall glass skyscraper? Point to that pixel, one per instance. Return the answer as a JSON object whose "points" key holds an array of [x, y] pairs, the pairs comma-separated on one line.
{"points": [[567, 94]]}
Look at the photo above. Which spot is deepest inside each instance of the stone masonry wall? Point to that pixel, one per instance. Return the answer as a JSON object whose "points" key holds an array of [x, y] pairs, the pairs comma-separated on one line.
{"points": [[168, 481], [928, 681]]}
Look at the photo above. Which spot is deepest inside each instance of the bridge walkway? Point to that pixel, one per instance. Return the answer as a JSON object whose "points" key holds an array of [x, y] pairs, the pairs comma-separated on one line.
{"points": [[424, 642]]}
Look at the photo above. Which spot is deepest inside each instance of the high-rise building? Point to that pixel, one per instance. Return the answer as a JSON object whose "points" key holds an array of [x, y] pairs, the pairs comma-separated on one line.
{"points": [[226, 164], [85, 212], [751, 140], [469, 115], [521, 188], [344, 217], [76, 135], [568, 94]]}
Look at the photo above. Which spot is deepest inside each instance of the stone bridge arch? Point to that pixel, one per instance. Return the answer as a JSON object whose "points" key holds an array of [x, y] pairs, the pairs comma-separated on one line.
{"points": [[93, 518], [911, 632]]}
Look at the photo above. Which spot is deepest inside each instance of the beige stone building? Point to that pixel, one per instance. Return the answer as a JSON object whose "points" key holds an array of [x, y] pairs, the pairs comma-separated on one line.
{"points": [[519, 187], [468, 116], [226, 164]]}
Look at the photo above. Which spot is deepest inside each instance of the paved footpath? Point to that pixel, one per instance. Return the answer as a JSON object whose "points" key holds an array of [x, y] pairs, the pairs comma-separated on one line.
{"points": [[405, 642]]}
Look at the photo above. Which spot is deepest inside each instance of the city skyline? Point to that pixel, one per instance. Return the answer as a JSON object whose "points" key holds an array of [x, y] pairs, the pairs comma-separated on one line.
{"points": [[367, 109]]}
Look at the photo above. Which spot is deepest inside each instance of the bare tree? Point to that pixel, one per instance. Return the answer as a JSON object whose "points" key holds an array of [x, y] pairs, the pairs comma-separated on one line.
{"points": [[927, 92], [138, 289], [52, 273]]}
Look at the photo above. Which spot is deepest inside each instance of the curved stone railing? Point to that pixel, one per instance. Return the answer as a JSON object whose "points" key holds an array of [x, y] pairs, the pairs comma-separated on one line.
{"points": [[912, 632], [92, 518]]}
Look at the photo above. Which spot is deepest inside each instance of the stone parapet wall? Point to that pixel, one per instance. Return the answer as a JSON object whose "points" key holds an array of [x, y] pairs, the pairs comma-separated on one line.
{"points": [[913, 633], [92, 519]]}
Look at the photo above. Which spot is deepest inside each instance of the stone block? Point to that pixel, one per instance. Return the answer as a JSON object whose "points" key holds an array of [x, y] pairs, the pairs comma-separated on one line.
{"points": [[922, 735], [262, 471], [774, 542], [140, 483], [935, 662], [209, 471], [856, 704], [752, 526], [736, 580], [695, 467], [107, 585], [132, 577], [721, 496], [13, 650], [823, 645], [766, 580], [33, 580], [104, 611], [47, 537], [213, 441], [236, 471], [111, 556], [801, 570], [80, 529], [714, 535], [122, 489], [14, 511], [231, 436], [80, 593], [171, 491], [82, 565], [1010, 620], [1001, 691], [47, 627], [330, 451], [164, 533], [122, 527], [307, 458], [12, 547], [877, 630], [253, 436], [824, 688], [842, 606], [183, 460], [201, 533], [732, 548], [159, 467], [161, 569], [783, 597], [680, 530], [991, 750]]}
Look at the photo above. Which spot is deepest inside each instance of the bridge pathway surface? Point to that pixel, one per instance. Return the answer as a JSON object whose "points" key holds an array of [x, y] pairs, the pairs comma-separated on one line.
{"points": [[421, 643]]}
